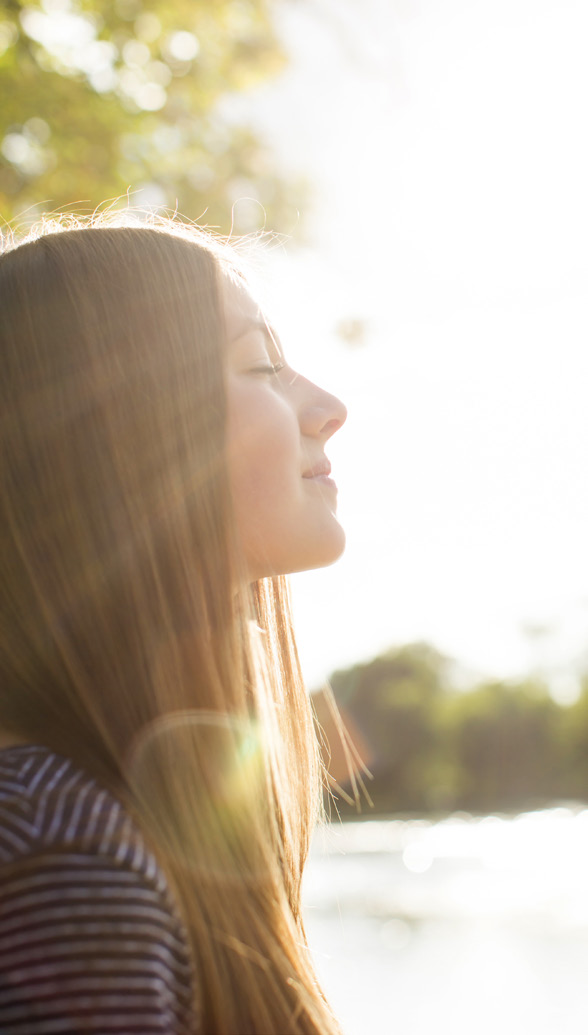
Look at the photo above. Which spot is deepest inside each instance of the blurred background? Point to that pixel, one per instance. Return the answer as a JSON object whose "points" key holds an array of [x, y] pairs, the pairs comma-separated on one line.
{"points": [[422, 168]]}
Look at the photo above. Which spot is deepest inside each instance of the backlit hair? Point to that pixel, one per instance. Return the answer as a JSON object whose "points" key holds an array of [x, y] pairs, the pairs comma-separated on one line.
{"points": [[129, 640]]}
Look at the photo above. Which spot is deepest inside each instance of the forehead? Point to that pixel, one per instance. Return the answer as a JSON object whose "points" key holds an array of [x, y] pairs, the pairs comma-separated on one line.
{"points": [[240, 309]]}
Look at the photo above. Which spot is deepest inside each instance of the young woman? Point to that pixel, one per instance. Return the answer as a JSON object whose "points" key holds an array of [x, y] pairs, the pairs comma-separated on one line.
{"points": [[162, 468]]}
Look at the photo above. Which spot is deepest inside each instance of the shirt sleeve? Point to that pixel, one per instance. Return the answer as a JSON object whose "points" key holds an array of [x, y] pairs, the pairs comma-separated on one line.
{"points": [[88, 945]]}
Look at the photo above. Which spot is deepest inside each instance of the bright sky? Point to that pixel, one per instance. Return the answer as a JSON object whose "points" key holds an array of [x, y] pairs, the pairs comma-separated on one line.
{"points": [[447, 141]]}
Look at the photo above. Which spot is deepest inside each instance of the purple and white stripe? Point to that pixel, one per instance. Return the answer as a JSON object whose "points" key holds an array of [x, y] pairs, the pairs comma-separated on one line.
{"points": [[89, 937]]}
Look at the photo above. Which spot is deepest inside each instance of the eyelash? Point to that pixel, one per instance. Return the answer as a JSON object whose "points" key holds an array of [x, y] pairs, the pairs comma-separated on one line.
{"points": [[271, 368]]}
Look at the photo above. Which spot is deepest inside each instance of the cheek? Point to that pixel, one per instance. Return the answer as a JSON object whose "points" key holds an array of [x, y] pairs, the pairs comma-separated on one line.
{"points": [[263, 447], [284, 524]]}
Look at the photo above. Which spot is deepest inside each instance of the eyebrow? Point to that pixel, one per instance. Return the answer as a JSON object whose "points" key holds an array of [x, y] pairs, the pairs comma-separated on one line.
{"points": [[266, 329]]}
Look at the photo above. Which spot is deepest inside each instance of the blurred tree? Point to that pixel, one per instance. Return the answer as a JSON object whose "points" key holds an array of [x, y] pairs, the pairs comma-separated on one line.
{"points": [[99, 96], [496, 746], [573, 747], [394, 701], [503, 740]]}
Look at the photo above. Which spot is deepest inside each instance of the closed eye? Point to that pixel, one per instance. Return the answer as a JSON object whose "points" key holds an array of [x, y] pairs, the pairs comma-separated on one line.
{"points": [[268, 368]]}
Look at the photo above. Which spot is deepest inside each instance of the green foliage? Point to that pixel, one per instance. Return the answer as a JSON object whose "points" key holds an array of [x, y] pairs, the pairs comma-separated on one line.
{"points": [[394, 700], [573, 747], [502, 739], [100, 97], [497, 746]]}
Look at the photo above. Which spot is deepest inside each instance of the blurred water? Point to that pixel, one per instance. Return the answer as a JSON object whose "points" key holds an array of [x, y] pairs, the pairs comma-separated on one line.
{"points": [[465, 924]]}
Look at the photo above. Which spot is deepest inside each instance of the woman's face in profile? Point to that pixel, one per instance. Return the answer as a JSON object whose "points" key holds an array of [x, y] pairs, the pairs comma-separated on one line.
{"points": [[278, 426]]}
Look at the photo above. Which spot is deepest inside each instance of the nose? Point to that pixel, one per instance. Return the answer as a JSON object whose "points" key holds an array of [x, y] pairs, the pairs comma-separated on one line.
{"points": [[322, 414]]}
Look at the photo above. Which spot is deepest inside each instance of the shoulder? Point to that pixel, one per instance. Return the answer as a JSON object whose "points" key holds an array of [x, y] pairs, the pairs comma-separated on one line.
{"points": [[87, 921], [48, 803]]}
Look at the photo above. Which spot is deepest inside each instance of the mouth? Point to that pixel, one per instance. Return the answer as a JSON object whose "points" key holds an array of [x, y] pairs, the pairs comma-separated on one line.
{"points": [[320, 470], [319, 475]]}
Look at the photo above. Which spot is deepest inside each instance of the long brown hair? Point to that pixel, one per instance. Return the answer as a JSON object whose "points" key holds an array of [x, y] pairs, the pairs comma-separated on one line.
{"points": [[129, 640]]}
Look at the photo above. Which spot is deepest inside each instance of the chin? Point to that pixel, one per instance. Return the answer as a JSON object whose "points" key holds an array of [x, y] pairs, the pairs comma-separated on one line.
{"points": [[335, 550], [324, 551]]}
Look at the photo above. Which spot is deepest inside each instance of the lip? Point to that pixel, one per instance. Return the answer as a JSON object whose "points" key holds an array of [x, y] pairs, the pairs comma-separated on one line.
{"points": [[320, 470], [319, 475], [323, 480]]}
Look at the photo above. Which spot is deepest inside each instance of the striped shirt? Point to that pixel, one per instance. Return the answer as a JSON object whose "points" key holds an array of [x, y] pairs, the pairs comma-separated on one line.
{"points": [[90, 940]]}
